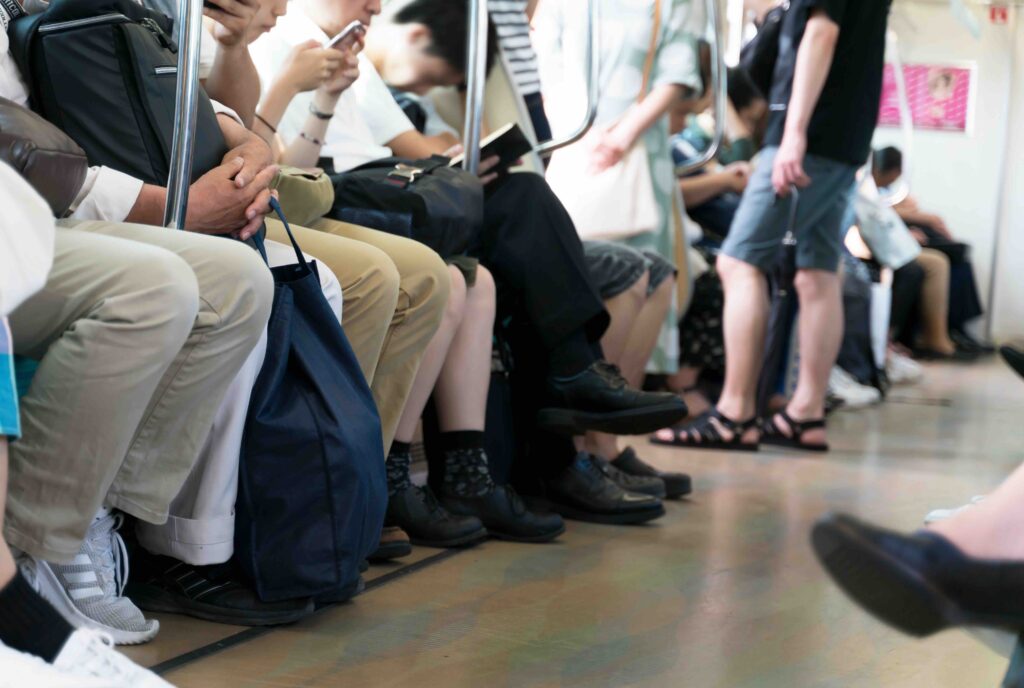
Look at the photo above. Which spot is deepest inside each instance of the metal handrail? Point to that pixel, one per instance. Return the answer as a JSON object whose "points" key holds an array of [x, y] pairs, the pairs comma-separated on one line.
{"points": [[476, 80], [719, 86], [902, 190], [593, 71], [190, 26]]}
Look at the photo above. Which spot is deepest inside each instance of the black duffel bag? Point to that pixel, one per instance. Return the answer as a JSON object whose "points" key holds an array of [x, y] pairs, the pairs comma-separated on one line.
{"points": [[426, 200], [105, 72]]}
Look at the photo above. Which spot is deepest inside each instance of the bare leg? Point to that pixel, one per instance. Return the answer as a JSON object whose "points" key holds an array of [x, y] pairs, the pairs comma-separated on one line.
{"points": [[935, 302], [683, 383], [6, 560], [433, 359], [644, 335], [461, 391], [993, 529]]}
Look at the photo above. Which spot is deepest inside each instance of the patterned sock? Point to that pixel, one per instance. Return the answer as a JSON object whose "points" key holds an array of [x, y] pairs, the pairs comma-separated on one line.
{"points": [[466, 473], [397, 465], [28, 623]]}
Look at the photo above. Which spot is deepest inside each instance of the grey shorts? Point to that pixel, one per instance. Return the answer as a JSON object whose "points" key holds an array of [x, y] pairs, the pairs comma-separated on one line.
{"points": [[761, 221], [617, 267]]}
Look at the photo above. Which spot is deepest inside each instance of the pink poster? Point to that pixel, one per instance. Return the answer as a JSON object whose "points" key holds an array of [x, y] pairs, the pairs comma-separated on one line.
{"points": [[940, 97]]}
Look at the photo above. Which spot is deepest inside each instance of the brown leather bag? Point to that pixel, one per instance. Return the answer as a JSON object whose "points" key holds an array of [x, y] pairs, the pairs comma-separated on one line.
{"points": [[43, 154]]}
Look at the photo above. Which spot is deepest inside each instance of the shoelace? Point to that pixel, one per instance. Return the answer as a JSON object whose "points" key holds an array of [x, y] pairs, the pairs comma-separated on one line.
{"points": [[106, 539], [430, 499], [612, 374]]}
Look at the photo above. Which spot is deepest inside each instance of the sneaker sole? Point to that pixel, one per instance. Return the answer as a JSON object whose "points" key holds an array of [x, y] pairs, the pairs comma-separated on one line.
{"points": [[629, 518], [54, 593], [156, 600], [628, 422]]}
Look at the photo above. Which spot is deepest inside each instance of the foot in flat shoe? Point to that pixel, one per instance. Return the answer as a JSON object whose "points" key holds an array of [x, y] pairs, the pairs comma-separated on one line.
{"points": [[782, 430], [919, 583], [585, 492], [600, 399], [505, 516], [676, 484], [394, 544], [712, 431], [641, 484], [417, 511]]}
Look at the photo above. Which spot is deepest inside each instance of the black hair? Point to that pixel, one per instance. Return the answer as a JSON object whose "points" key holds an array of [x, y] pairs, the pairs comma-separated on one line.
{"points": [[888, 159], [742, 91], [448, 22]]}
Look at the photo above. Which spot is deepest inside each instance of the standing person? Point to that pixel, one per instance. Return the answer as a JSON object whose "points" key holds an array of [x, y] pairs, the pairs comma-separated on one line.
{"points": [[824, 107]]}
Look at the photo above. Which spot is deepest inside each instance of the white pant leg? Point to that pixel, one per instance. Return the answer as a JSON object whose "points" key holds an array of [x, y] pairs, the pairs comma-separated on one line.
{"points": [[201, 527]]}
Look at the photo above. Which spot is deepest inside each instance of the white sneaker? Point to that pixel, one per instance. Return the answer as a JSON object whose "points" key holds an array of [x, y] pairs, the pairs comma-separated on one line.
{"points": [[88, 591], [853, 394], [903, 370], [944, 514], [22, 670], [90, 653]]}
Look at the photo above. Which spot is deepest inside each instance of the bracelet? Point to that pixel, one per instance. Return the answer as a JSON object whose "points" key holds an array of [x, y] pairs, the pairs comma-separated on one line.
{"points": [[312, 139], [318, 114], [267, 124]]}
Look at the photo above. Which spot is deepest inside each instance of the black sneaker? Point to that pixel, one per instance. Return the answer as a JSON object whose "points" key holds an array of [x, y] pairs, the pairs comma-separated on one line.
{"points": [[648, 485], [417, 511], [506, 517], [585, 492], [600, 399], [676, 484], [213, 593]]}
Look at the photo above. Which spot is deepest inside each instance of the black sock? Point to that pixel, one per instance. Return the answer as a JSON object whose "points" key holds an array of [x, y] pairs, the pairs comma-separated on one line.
{"points": [[28, 623], [466, 473], [398, 464], [572, 355]]}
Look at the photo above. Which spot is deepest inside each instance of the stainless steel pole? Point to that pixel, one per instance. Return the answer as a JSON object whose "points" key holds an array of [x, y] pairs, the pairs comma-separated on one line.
{"points": [[476, 80], [719, 76], [190, 26]]}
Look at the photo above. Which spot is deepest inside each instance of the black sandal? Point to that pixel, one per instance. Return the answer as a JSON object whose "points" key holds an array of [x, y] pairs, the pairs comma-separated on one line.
{"points": [[772, 434], [710, 437]]}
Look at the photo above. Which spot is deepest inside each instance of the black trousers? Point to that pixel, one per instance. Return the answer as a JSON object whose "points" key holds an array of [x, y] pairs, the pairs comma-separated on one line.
{"points": [[906, 293]]}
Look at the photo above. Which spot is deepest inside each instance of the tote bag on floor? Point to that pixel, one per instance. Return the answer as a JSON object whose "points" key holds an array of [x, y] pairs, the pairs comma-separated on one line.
{"points": [[311, 489]]}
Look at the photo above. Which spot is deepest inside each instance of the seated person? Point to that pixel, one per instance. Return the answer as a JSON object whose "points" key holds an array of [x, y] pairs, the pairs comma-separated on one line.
{"points": [[931, 231], [528, 243]]}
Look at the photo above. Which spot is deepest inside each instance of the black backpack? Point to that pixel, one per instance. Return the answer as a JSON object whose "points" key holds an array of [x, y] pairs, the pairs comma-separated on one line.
{"points": [[759, 56], [105, 72]]}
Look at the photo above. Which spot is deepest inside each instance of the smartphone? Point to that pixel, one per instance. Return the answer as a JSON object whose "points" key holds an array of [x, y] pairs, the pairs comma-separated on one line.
{"points": [[355, 30]]}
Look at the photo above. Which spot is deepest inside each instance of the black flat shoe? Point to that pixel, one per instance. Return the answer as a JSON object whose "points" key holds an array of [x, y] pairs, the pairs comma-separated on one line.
{"points": [[966, 342], [958, 356], [506, 517], [641, 484], [676, 484], [417, 511], [600, 399], [1014, 358], [585, 492], [919, 583]]}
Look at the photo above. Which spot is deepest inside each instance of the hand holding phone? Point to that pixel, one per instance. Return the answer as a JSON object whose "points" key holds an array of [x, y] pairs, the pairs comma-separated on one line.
{"points": [[348, 36]]}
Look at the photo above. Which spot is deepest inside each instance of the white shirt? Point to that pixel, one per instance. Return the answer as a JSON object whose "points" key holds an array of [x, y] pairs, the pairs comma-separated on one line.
{"points": [[366, 117], [26, 240]]}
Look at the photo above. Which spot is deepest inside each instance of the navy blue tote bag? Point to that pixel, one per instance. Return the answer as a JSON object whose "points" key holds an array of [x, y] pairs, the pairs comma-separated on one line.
{"points": [[311, 490]]}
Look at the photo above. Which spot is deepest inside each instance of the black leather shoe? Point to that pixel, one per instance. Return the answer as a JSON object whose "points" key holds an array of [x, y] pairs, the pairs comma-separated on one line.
{"points": [[417, 511], [958, 355], [966, 342], [647, 485], [1014, 358], [506, 517], [600, 399], [919, 583], [676, 484], [585, 492]]}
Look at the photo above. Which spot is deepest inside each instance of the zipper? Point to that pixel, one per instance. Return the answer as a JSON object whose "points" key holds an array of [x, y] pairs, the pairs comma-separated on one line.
{"points": [[164, 71], [160, 34], [114, 18]]}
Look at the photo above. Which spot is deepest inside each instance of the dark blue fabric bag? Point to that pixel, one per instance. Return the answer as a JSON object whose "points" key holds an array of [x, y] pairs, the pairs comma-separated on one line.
{"points": [[311, 490]]}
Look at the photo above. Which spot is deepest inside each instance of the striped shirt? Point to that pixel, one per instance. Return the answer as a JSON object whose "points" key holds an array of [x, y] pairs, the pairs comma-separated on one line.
{"points": [[513, 28]]}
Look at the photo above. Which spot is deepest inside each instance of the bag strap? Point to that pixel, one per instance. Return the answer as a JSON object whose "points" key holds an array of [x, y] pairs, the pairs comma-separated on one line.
{"points": [[291, 237], [652, 50]]}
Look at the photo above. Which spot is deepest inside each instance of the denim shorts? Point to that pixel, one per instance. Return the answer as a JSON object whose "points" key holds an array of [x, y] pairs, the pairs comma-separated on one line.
{"points": [[9, 424], [614, 268], [762, 220]]}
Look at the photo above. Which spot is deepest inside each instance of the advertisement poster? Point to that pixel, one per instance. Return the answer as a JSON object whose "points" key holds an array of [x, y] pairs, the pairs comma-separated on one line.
{"points": [[941, 97]]}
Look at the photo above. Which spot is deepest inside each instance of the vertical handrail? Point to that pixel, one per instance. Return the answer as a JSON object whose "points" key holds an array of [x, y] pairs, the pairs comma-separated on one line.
{"points": [[906, 121], [476, 79], [593, 76], [190, 26], [719, 86]]}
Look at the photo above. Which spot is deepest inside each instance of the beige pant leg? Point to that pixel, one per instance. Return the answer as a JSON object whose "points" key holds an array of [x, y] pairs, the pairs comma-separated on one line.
{"points": [[935, 300], [107, 325]]}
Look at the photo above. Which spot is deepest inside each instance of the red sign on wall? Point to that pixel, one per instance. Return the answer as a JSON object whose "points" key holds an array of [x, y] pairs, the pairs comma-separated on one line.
{"points": [[999, 14]]}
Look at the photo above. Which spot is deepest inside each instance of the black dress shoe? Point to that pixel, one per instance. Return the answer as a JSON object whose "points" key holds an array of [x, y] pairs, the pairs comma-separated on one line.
{"points": [[676, 484], [647, 485], [506, 517], [212, 593], [1014, 358], [394, 544], [966, 342], [584, 491], [417, 511], [600, 399], [958, 356], [919, 583]]}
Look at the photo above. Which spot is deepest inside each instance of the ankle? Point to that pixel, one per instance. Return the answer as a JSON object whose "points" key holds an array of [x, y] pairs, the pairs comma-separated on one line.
{"points": [[736, 409]]}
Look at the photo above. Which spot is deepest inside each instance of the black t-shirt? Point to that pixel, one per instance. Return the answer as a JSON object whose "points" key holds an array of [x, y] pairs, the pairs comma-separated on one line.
{"points": [[844, 120]]}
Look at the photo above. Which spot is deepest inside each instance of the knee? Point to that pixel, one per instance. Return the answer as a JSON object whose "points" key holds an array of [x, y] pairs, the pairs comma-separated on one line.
{"points": [[813, 285], [171, 292], [380, 282], [641, 287], [664, 291], [427, 287], [456, 296], [244, 292], [731, 270], [483, 294]]}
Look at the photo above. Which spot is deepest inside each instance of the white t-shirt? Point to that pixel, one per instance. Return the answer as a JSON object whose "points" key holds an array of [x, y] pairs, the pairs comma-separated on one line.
{"points": [[26, 240], [366, 117]]}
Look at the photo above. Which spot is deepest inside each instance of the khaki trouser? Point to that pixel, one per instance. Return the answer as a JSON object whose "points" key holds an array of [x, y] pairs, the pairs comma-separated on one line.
{"points": [[139, 331], [935, 300], [395, 291]]}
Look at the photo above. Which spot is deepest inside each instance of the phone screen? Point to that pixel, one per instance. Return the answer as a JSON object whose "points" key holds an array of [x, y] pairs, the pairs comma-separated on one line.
{"points": [[348, 35]]}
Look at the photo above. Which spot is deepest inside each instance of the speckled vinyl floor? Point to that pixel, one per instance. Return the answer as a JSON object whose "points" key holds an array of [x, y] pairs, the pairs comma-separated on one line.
{"points": [[722, 592]]}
